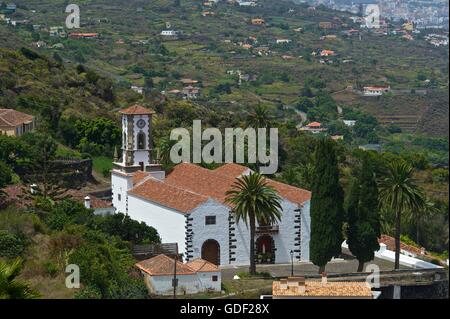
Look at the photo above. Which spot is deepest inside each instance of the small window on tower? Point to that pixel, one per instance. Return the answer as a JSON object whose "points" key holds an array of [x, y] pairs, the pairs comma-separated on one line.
{"points": [[210, 220], [141, 141], [119, 197]]}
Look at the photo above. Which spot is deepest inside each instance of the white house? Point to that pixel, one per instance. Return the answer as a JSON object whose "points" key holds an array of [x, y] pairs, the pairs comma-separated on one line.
{"points": [[170, 33], [188, 205], [283, 41], [375, 90], [349, 123], [193, 277]]}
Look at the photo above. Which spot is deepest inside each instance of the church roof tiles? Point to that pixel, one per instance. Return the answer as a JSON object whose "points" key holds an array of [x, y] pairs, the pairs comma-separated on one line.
{"points": [[189, 185], [137, 109]]}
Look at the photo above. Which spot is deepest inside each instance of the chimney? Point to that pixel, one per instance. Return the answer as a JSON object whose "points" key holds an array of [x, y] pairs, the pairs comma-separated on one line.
{"points": [[87, 202], [324, 278]]}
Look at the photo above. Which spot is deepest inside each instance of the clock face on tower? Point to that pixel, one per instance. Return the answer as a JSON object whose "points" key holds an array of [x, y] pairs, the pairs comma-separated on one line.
{"points": [[141, 123]]}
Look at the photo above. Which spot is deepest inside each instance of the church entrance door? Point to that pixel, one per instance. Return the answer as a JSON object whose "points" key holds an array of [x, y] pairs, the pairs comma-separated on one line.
{"points": [[265, 253], [211, 251]]}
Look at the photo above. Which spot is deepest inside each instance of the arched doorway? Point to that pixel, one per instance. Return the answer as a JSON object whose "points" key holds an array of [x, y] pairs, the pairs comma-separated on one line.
{"points": [[265, 249], [211, 251]]}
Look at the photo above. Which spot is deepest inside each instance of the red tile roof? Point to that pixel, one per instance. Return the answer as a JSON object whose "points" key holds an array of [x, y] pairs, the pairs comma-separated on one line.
{"points": [[201, 265], [163, 265], [9, 117], [137, 109], [231, 169], [167, 195], [314, 124], [139, 176], [390, 244], [189, 185]]}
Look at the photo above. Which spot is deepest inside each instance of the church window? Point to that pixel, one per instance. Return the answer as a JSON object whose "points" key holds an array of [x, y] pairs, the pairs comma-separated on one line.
{"points": [[210, 220]]}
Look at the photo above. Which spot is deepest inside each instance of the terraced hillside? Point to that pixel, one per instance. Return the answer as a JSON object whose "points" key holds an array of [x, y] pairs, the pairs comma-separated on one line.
{"points": [[214, 47]]}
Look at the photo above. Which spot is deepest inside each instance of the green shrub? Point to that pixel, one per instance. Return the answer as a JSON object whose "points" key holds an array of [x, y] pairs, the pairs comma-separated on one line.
{"points": [[440, 175], [51, 268], [11, 245], [262, 274], [105, 172], [89, 292]]}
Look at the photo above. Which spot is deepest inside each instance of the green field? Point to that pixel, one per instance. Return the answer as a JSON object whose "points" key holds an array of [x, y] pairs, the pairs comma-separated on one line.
{"points": [[102, 164]]}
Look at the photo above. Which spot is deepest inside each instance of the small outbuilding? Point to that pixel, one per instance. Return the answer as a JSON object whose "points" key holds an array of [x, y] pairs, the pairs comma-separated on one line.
{"points": [[196, 276]]}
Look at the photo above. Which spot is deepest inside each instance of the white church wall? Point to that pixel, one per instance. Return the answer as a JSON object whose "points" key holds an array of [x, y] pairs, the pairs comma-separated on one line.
{"points": [[169, 223], [285, 239], [306, 230], [120, 185], [218, 232], [242, 236]]}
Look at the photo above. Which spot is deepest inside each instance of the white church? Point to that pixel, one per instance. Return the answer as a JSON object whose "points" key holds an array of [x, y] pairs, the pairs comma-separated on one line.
{"points": [[187, 205]]}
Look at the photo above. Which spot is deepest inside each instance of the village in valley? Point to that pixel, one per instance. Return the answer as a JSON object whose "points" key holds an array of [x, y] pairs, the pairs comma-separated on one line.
{"points": [[87, 171]]}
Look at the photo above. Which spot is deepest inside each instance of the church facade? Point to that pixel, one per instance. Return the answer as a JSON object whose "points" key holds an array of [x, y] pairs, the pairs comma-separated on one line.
{"points": [[188, 206]]}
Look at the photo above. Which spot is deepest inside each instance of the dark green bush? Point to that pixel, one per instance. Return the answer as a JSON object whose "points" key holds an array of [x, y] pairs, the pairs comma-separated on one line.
{"points": [[11, 245]]}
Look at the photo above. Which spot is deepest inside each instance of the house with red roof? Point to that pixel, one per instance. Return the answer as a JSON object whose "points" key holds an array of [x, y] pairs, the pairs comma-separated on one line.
{"points": [[15, 123], [313, 127], [193, 277], [187, 205]]}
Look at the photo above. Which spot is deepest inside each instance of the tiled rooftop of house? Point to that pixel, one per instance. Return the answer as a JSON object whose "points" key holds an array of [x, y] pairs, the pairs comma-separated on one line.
{"points": [[390, 244], [9, 117], [163, 265], [201, 265]]}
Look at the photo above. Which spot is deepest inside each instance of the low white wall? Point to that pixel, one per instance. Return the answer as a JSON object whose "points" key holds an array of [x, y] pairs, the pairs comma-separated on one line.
{"points": [[207, 282], [162, 285]]}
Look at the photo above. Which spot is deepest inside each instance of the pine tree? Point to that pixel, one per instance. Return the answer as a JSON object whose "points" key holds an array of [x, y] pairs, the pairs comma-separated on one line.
{"points": [[363, 215], [327, 208]]}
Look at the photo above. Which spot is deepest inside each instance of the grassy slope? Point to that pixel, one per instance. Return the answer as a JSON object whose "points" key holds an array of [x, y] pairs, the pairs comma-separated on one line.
{"points": [[204, 56]]}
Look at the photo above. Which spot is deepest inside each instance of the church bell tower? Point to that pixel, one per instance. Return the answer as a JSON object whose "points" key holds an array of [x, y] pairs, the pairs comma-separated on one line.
{"points": [[136, 154], [136, 141]]}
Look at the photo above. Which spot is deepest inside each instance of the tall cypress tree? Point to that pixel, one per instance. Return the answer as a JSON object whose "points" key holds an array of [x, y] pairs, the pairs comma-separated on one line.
{"points": [[327, 206], [363, 215]]}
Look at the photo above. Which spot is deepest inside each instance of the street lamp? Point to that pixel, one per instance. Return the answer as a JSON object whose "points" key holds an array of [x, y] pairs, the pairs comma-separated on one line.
{"points": [[292, 263], [175, 280]]}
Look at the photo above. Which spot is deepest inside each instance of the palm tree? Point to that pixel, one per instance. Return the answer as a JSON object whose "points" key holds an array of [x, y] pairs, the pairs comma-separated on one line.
{"points": [[399, 194], [253, 200], [417, 216], [259, 117], [10, 287], [164, 147]]}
